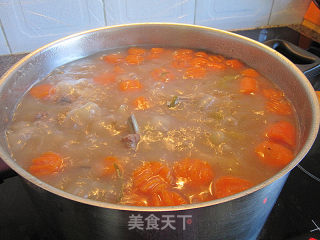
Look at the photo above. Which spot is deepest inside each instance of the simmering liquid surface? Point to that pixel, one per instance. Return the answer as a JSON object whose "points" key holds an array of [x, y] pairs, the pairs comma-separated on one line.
{"points": [[208, 126]]}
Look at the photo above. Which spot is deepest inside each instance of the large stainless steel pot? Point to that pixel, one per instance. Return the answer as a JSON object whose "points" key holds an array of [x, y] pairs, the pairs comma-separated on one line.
{"points": [[240, 216]]}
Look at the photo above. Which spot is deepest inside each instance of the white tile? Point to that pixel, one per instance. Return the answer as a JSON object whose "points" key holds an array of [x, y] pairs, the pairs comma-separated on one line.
{"points": [[130, 11], [3, 45], [33, 23], [233, 14], [288, 11]]}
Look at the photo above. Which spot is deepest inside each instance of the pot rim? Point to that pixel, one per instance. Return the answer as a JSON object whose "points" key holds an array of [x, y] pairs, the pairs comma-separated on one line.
{"points": [[304, 150]]}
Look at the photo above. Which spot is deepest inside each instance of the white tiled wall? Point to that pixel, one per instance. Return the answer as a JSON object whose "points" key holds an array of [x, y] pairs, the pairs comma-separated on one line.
{"points": [[29, 24], [33, 23], [233, 14], [288, 11], [132, 11]]}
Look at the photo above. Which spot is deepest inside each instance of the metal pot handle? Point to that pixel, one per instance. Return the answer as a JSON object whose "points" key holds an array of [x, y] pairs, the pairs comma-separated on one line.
{"points": [[307, 62]]}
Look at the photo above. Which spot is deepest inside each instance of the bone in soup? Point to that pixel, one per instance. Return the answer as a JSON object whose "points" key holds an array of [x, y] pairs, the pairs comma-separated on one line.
{"points": [[153, 127]]}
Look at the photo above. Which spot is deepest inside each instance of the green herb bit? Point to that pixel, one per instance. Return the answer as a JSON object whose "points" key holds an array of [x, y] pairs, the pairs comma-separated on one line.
{"points": [[163, 74], [118, 170], [174, 102]]}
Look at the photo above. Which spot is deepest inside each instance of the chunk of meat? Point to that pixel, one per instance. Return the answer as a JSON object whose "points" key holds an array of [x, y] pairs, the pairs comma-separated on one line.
{"points": [[131, 140]]}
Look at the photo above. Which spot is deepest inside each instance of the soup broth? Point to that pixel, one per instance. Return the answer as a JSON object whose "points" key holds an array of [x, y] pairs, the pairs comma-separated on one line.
{"points": [[153, 127]]}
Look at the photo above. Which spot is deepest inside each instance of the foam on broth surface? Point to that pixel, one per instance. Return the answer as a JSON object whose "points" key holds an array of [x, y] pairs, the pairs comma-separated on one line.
{"points": [[185, 109]]}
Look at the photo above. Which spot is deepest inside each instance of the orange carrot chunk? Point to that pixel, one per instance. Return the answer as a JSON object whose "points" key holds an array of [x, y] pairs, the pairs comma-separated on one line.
{"points": [[273, 94], [166, 198], [248, 85], [283, 132], [156, 50], [141, 103], [114, 58], [229, 185], [136, 51], [250, 72], [134, 199], [216, 58], [151, 177], [195, 73], [274, 154], [195, 172], [216, 66], [199, 62], [201, 54], [134, 59], [234, 63], [42, 91], [105, 78], [281, 107], [130, 85], [46, 164], [111, 166]]}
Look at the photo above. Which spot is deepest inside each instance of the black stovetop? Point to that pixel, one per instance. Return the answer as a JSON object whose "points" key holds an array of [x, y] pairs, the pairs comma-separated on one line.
{"points": [[296, 214]]}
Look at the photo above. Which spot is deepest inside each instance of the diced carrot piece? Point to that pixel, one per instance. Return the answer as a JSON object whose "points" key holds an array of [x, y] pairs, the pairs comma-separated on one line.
{"points": [[42, 91], [183, 51], [46, 164], [166, 198], [153, 184], [199, 62], [216, 66], [156, 50], [110, 166], [134, 199], [229, 185], [274, 154], [248, 85], [195, 72], [250, 72], [281, 107], [105, 78], [216, 58], [134, 59], [136, 51], [130, 85], [273, 94], [151, 177], [182, 61], [201, 54], [234, 63], [141, 103], [114, 58], [195, 172], [201, 197], [162, 75], [118, 69], [282, 131]]}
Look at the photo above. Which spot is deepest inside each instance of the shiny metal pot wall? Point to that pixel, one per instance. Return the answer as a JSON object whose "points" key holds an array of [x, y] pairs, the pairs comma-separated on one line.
{"points": [[240, 216]]}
